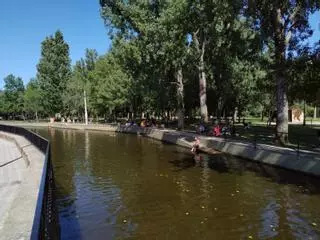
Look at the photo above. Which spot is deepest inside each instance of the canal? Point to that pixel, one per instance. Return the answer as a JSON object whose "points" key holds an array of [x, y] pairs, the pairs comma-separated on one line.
{"points": [[115, 186]]}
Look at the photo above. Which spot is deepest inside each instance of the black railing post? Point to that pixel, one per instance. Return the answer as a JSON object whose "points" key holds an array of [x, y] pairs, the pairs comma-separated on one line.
{"points": [[298, 146]]}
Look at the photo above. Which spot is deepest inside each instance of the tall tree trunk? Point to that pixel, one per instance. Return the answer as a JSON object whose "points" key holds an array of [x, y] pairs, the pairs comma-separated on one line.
{"points": [[202, 77], [280, 75], [37, 120], [235, 114], [315, 112], [203, 91], [180, 101]]}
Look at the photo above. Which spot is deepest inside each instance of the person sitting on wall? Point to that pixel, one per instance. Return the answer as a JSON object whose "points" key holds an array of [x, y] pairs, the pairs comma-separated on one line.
{"points": [[143, 123], [202, 128], [128, 124], [196, 145], [217, 131], [225, 130], [153, 122]]}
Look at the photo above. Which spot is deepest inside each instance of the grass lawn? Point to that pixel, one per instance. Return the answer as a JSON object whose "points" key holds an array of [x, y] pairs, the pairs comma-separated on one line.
{"points": [[305, 136]]}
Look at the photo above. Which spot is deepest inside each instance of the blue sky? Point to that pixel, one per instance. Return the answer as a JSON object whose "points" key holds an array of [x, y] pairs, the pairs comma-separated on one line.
{"points": [[25, 24]]}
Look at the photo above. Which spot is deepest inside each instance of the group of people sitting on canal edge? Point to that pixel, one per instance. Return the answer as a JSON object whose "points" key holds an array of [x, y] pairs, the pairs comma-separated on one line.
{"points": [[144, 123], [148, 123], [217, 130]]}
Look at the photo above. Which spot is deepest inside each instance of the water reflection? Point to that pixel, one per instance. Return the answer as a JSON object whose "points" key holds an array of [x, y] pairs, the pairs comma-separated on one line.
{"points": [[125, 186]]}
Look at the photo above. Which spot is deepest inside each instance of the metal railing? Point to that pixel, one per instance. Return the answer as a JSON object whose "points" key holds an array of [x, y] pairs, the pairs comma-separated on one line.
{"points": [[299, 140], [46, 219]]}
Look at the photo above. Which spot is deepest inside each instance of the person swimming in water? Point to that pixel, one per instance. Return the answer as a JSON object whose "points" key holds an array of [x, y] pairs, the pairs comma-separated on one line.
{"points": [[196, 145]]}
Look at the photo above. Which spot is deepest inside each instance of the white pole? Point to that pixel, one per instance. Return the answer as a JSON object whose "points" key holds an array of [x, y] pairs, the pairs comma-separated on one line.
{"points": [[85, 108]]}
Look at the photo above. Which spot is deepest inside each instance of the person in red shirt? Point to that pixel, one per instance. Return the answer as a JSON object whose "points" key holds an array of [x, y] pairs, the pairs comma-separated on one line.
{"points": [[217, 131]]}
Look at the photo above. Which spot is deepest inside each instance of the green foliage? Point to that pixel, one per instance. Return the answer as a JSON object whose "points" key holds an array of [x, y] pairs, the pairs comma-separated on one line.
{"points": [[239, 52], [80, 81], [110, 84], [13, 95], [32, 97], [2, 103], [53, 72], [304, 72]]}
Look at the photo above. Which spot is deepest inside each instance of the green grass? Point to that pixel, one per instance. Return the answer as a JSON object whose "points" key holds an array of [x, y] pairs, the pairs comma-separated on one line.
{"points": [[304, 136]]}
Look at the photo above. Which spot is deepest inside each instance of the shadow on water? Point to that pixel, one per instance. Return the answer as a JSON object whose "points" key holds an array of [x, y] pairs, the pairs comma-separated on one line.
{"points": [[66, 198], [68, 217], [225, 164]]}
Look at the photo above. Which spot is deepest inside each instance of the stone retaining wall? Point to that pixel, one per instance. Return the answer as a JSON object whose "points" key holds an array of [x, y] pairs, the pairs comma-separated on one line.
{"points": [[304, 161]]}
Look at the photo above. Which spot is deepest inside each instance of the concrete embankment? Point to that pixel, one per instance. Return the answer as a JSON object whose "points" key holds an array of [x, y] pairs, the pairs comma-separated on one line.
{"points": [[21, 168], [302, 161]]}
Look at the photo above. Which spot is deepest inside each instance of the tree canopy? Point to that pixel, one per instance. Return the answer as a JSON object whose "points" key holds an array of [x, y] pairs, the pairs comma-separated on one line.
{"points": [[54, 70], [180, 59]]}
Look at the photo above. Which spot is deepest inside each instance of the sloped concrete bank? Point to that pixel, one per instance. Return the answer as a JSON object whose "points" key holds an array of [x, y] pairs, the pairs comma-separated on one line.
{"points": [[20, 178], [303, 161]]}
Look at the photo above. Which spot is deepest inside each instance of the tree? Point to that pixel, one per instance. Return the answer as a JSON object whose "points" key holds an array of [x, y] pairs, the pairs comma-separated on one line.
{"points": [[285, 24], [2, 103], [54, 72], [32, 97], [13, 94], [208, 23], [111, 84], [154, 27], [79, 86]]}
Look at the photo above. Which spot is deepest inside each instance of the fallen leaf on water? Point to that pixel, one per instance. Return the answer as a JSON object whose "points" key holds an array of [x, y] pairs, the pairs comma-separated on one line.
{"points": [[241, 215], [215, 209], [187, 213], [202, 207], [250, 237], [124, 221], [237, 191], [314, 224]]}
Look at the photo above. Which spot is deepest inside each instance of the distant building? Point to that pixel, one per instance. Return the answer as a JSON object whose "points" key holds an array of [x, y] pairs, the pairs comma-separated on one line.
{"points": [[296, 115]]}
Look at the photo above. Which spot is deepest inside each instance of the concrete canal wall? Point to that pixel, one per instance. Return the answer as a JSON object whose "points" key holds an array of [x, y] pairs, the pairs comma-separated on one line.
{"points": [[302, 161]]}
